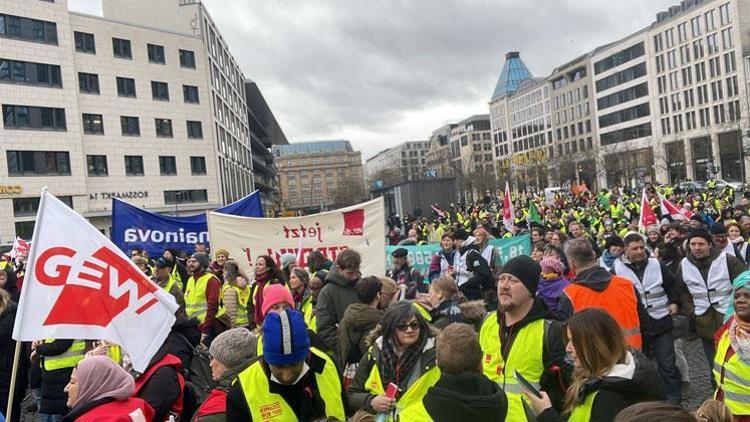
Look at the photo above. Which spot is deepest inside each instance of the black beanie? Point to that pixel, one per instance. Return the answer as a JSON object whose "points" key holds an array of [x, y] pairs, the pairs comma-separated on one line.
{"points": [[525, 269], [700, 232]]}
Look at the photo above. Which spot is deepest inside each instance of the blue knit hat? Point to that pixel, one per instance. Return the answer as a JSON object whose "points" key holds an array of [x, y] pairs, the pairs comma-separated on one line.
{"points": [[285, 339]]}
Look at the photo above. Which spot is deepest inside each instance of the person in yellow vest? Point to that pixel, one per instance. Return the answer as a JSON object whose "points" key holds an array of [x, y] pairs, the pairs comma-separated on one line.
{"points": [[403, 354], [234, 297], [609, 375], [202, 295], [291, 381], [463, 392], [163, 277], [299, 281], [179, 272], [520, 336], [732, 359], [57, 359]]}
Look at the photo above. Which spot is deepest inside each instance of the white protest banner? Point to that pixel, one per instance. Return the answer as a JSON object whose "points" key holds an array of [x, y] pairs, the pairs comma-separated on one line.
{"points": [[79, 285], [360, 227]]}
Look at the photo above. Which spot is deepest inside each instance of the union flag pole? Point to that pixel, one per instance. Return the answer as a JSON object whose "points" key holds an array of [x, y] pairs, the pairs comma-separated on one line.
{"points": [[29, 262]]}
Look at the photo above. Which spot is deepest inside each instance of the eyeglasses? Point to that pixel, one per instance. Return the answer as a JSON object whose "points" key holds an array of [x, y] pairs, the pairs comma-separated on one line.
{"points": [[414, 325]]}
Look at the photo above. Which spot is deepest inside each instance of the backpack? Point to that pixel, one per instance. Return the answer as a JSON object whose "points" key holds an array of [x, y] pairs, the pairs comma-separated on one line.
{"points": [[199, 381]]}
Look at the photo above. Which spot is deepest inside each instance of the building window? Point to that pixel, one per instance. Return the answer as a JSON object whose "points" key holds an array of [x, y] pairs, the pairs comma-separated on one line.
{"points": [[88, 83], [38, 163], [133, 165], [25, 117], [167, 166], [28, 29], [187, 59], [185, 196], [156, 54], [164, 128], [130, 126], [190, 93], [198, 165], [126, 87], [194, 130], [121, 48], [84, 42], [24, 207], [622, 135], [619, 58], [160, 91], [97, 165], [621, 77], [39, 74], [93, 124]]}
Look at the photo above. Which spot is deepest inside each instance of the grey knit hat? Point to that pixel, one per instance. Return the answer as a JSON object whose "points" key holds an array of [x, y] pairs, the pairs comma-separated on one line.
{"points": [[202, 259], [234, 347]]}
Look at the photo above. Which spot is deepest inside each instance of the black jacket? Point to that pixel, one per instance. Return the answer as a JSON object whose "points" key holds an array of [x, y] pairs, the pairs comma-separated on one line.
{"points": [[670, 284], [481, 284], [7, 352], [557, 372], [54, 399], [466, 398], [163, 388], [297, 396], [618, 392], [11, 285]]}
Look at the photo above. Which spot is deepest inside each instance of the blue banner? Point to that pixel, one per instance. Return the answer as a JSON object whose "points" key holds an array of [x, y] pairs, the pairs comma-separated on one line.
{"points": [[134, 227]]}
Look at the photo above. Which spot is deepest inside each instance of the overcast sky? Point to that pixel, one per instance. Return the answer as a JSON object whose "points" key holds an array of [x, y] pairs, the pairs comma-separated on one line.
{"points": [[384, 72]]}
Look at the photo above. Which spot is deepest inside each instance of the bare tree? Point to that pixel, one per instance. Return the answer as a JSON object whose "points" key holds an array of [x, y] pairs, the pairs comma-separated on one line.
{"points": [[348, 192]]}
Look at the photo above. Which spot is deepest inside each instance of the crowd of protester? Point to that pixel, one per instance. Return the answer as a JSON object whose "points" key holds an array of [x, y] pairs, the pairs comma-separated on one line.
{"points": [[590, 325]]}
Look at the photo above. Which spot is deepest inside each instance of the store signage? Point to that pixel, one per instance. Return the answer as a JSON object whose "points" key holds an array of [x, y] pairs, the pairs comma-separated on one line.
{"points": [[530, 157], [10, 190], [120, 195]]}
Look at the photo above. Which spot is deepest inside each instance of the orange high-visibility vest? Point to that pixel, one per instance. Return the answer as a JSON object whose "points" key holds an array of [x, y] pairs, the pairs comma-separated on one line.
{"points": [[618, 299]]}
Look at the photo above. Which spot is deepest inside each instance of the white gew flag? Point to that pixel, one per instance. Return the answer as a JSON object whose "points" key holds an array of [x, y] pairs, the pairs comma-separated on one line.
{"points": [[508, 214], [79, 285]]}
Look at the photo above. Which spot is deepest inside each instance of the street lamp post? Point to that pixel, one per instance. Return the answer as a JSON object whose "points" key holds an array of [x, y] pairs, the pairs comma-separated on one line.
{"points": [[177, 198]]}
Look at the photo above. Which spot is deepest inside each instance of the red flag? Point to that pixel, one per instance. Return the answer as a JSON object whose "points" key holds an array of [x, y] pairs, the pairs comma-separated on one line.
{"points": [[84, 287], [677, 213], [648, 217], [507, 209]]}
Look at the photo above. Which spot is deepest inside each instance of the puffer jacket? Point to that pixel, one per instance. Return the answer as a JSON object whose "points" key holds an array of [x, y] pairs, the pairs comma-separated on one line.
{"points": [[337, 294]]}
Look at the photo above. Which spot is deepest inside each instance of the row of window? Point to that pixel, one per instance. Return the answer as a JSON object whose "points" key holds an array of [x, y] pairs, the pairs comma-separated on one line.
{"points": [[42, 74], [698, 25], [626, 134], [97, 165], [717, 94], [28, 29], [619, 58], [121, 48], [721, 115], [623, 96], [624, 115], [714, 70], [698, 51], [46, 118], [621, 77], [89, 83]]}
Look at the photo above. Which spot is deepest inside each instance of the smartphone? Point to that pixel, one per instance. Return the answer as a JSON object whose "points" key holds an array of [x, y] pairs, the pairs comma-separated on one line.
{"points": [[391, 390], [527, 385]]}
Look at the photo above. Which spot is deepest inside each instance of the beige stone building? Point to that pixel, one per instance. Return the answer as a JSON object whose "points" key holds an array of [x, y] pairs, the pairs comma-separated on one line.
{"points": [[319, 175]]}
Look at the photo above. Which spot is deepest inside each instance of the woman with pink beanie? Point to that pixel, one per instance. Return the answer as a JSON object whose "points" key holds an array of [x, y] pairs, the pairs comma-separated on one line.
{"points": [[552, 282]]}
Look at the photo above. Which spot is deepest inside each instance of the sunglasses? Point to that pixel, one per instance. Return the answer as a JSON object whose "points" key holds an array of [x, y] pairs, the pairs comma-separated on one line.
{"points": [[414, 325]]}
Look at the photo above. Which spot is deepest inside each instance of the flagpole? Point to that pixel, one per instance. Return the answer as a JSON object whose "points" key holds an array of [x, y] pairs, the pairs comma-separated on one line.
{"points": [[18, 323]]}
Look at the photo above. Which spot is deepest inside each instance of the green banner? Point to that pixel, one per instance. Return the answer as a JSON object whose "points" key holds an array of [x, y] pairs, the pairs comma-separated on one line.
{"points": [[421, 256]]}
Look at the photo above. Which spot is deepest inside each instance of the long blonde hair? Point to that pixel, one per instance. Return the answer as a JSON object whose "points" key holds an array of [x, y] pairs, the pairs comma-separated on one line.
{"points": [[599, 345], [4, 300]]}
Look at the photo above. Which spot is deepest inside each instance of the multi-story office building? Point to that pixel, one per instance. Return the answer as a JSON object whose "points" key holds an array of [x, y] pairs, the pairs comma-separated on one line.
{"points": [[226, 96], [667, 103], [101, 107], [439, 153], [472, 159], [319, 175], [402, 163], [572, 155], [264, 133]]}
